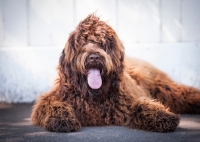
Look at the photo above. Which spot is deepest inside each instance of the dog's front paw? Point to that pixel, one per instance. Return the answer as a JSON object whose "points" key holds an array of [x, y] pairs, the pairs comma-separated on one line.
{"points": [[159, 122], [154, 117], [61, 125], [166, 122]]}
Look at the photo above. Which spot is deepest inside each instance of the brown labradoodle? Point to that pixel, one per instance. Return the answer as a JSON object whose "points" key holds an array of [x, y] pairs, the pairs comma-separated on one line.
{"points": [[98, 85]]}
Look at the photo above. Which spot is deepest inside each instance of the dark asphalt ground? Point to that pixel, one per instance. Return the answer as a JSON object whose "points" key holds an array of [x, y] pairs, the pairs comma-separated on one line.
{"points": [[15, 126]]}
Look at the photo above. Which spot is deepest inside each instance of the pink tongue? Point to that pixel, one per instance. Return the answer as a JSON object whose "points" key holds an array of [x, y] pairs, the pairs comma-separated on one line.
{"points": [[94, 78]]}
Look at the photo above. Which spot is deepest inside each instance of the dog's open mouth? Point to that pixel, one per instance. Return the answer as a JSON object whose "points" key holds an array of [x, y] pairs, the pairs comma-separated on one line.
{"points": [[94, 78]]}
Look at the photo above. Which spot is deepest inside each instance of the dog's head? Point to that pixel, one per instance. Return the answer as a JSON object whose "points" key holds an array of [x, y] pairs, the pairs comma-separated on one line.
{"points": [[92, 60]]}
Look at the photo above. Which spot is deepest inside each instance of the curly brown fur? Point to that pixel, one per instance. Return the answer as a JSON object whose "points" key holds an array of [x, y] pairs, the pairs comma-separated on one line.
{"points": [[129, 91]]}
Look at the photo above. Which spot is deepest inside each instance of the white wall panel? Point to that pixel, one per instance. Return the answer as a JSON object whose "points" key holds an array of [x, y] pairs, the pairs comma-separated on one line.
{"points": [[1, 24], [62, 21], [149, 21], [40, 22], [27, 72], [49, 22], [171, 21], [15, 22], [191, 20], [128, 20], [104, 8], [83, 8], [108, 11]]}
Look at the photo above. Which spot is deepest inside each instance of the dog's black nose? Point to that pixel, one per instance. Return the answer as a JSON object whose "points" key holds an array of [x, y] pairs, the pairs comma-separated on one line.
{"points": [[93, 57]]}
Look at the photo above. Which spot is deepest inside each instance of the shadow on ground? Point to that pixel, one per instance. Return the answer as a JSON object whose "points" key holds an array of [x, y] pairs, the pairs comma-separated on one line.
{"points": [[15, 126]]}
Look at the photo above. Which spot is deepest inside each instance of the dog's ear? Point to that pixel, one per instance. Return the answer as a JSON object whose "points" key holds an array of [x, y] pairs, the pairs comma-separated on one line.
{"points": [[120, 48], [67, 53], [67, 76], [65, 61], [120, 53], [114, 44], [69, 49]]}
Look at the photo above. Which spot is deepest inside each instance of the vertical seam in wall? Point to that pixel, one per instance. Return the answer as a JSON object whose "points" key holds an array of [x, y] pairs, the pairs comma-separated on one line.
{"points": [[117, 15], [27, 18], [137, 9], [3, 20], [74, 12], [181, 22], [51, 19], [160, 15]]}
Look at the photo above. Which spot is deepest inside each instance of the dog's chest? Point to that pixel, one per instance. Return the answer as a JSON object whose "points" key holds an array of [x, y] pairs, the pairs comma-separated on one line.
{"points": [[109, 112]]}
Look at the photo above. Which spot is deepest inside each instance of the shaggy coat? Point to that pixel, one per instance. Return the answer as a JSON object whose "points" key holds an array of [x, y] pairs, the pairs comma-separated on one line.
{"points": [[98, 85]]}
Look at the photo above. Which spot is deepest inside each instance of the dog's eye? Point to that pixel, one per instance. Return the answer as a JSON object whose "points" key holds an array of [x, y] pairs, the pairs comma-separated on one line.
{"points": [[102, 47]]}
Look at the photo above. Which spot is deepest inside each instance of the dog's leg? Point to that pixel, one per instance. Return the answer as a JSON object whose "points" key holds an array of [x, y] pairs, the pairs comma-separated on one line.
{"points": [[53, 115], [152, 116], [179, 98], [192, 100]]}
